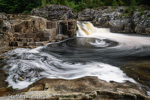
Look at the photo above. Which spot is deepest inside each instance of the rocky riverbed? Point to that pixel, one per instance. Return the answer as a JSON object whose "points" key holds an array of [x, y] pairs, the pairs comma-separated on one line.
{"points": [[54, 23]]}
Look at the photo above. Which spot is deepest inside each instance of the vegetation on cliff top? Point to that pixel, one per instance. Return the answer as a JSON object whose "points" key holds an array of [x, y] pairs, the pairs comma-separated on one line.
{"points": [[25, 6]]}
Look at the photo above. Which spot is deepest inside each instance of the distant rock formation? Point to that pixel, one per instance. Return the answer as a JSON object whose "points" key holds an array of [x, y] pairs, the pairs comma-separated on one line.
{"points": [[55, 12], [118, 19]]}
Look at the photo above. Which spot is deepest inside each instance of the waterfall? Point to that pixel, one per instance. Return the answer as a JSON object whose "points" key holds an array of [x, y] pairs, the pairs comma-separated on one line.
{"points": [[59, 28], [86, 29]]}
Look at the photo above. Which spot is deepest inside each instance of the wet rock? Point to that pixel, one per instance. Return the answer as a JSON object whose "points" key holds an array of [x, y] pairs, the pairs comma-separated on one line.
{"points": [[140, 73], [143, 26], [147, 30], [68, 28], [33, 31], [38, 87], [118, 19], [121, 25]]}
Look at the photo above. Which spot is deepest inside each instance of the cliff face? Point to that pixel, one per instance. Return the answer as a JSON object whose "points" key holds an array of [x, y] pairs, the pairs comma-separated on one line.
{"points": [[32, 31]]}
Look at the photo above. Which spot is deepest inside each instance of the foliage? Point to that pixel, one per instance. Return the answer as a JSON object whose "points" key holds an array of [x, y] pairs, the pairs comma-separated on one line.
{"points": [[43, 3], [17, 6], [115, 3], [133, 3], [25, 6]]}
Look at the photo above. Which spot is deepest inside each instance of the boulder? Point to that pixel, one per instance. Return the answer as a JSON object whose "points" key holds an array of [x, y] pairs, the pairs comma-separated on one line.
{"points": [[143, 26], [5, 26], [87, 15], [54, 12], [3, 16], [120, 25]]}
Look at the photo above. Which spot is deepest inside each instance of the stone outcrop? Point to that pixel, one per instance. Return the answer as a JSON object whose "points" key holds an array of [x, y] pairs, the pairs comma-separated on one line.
{"points": [[5, 27], [118, 19], [54, 12], [88, 15], [87, 88], [32, 31]]}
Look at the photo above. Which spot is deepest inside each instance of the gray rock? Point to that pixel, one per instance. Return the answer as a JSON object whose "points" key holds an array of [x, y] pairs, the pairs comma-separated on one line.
{"points": [[88, 15], [54, 12], [120, 25], [2, 16], [142, 26]]}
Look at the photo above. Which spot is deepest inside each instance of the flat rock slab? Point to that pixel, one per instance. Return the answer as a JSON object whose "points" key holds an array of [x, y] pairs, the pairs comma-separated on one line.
{"points": [[87, 88]]}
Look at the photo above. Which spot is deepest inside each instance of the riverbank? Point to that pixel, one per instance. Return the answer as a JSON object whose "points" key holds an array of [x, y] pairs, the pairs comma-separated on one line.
{"points": [[55, 23]]}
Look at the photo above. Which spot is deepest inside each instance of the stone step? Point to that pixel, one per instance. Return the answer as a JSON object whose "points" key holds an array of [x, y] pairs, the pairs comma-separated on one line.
{"points": [[41, 36], [24, 44], [24, 39], [24, 35]]}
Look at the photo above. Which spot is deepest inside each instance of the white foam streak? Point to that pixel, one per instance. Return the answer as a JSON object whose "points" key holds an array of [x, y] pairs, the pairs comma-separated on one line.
{"points": [[30, 65], [51, 67], [125, 41]]}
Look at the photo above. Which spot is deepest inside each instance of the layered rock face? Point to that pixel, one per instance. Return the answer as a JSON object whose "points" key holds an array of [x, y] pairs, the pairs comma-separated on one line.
{"points": [[5, 27], [33, 31], [118, 19]]}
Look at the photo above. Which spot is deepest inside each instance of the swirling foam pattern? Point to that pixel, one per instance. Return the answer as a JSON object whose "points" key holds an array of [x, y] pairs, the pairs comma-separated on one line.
{"points": [[92, 53]]}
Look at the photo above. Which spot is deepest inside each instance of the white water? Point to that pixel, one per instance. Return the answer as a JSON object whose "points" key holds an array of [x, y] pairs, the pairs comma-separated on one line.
{"points": [[125, 41], [48, 69], [34, 64]]}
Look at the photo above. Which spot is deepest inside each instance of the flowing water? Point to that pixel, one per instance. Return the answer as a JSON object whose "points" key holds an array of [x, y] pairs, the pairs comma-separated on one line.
{"points": [[93, 52]]}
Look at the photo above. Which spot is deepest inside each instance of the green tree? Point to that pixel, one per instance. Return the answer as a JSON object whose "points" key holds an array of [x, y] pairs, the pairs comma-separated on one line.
{"points": [[18, 6], [121, 3], [43, 2], [114, 3], [133, 3]]}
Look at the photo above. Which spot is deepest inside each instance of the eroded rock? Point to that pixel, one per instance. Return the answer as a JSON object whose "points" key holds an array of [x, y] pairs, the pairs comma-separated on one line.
{"points": [[84, 89], [54, 12]]}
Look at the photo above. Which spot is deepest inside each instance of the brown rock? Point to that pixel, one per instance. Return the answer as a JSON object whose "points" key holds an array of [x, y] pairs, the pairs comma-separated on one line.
{"points": [[64, 27], [20, 44], [72, 24], [51, 24], [38, 87], [31, 44], [13, 44], [3, 89], [71, 32]]}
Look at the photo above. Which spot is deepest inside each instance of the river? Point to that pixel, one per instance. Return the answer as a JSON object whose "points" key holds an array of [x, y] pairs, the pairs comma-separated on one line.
{"points": [[93, 52]]}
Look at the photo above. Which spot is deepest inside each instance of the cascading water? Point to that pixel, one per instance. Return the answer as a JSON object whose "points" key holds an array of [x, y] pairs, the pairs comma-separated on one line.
{"points": [[59, 28], [94, 52]]}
